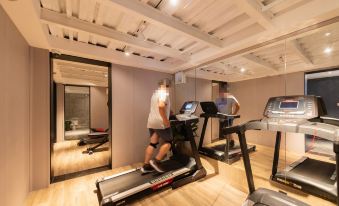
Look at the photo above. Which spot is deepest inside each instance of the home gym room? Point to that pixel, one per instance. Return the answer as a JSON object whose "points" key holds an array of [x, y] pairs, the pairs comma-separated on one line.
{"points": [[169, 102]]}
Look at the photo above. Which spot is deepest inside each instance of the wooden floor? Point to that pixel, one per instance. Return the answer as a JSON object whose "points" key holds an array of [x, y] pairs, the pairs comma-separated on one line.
{"points": [[224, 185], [68, 157]]}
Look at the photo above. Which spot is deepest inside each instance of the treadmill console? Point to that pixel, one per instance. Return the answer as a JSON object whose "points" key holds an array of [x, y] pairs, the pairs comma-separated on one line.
{"points": [[187, 110], [293, 107]]}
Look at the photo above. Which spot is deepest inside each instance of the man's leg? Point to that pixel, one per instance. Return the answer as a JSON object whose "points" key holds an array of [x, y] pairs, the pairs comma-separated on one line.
{"points": [[166, 135], [154, 140], [163, 151]]}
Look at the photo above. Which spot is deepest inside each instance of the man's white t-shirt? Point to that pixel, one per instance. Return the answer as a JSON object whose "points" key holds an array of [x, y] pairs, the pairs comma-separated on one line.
{"points": [[154, 118]]}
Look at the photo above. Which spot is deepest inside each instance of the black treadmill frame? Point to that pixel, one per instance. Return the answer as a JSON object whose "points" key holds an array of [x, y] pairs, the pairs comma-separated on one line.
{"points": [[210, 152], [240, 131], [194, 174], [305, 188]]}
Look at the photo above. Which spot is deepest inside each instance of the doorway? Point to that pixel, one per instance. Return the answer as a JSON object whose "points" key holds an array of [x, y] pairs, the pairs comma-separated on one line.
{"points": [[326, 85], [77, 112], [81, 117]]}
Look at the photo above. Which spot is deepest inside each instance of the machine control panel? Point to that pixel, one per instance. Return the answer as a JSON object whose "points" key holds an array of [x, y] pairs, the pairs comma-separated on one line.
{"points": [[187, 110], [293, 107]]}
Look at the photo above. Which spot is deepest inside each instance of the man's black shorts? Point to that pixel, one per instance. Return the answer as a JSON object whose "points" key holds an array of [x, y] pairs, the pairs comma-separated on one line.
{"points": [[165, 134]]}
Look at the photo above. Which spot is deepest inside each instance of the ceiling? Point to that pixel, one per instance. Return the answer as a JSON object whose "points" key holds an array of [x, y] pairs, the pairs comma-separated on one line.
{"points": [[314, 50], [224, 39], [74, 73]]}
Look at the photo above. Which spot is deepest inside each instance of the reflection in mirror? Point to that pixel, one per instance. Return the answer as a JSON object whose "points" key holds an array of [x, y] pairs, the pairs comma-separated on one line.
{"points": [[277, 69], [82, 119], [77, 112]]}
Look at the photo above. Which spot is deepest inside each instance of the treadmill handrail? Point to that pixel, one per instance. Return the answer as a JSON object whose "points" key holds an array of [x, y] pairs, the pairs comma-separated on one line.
{"points": [[327, 131], [329, 118], [220, 115]]}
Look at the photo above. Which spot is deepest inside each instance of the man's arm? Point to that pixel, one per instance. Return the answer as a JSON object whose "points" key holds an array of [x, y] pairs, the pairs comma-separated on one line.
{"points": [[235, 105], [162, 111]]}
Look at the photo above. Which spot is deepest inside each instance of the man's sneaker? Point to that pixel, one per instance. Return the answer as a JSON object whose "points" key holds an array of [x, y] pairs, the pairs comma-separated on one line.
{"points": [[147, 168], [156, 164]]}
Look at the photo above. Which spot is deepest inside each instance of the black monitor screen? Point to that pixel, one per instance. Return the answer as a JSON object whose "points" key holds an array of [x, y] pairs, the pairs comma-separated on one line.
{"points": [[289, 105]]}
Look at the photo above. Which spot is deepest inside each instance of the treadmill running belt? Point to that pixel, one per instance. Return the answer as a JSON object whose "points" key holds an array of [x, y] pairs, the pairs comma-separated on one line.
{"points": [[310, 168], [134, 179], [311, 176], [124, 182]]}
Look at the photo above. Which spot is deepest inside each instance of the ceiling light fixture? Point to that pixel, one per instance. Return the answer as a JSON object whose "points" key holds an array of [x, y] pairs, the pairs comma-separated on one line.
{"points": [[328, 50], [242, 70], [327, 34], [174, 2], [106, 75], [127, 53]]}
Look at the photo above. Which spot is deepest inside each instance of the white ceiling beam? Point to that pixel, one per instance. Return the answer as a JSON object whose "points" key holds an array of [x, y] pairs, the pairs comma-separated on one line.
{"points": [[69, 10], [55, 18], [253, 9], [295, 45], [271, 5], [260, 62], [94, 52], [156, 17]]}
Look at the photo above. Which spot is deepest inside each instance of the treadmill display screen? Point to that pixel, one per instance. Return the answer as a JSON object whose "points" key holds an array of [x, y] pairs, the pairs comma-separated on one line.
{"points": [[188, 106], [289, 105]]}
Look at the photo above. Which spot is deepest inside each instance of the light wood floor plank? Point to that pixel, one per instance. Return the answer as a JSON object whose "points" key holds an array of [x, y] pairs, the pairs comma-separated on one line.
{"points": [[68, 157]]}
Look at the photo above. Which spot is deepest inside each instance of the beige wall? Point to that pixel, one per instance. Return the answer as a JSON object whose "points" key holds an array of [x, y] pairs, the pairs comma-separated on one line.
{"points": [[60, 113], [99, 108], [131, 94], [253, 95], [40, 118], [195, 90], [15, 116]]}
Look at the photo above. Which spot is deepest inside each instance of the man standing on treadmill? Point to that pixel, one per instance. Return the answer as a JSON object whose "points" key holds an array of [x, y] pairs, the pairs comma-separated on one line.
{"points": [[227, 104], [159, 127]]}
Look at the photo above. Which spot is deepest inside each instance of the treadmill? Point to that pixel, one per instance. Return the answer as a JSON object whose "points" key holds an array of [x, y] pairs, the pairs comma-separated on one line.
{"points": [[312, 176], [282, 114], [121, 189], [221, 152]]}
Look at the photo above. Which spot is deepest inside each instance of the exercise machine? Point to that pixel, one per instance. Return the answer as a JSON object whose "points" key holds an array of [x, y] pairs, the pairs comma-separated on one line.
{"points": [[222, 152], [95, 137], [296, 114], [180, 169], [312, 176]]}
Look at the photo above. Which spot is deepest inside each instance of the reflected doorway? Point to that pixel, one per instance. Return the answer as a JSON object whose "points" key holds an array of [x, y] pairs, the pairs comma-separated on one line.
{"points": [[77, 112], [81, 117], [326, 85]]}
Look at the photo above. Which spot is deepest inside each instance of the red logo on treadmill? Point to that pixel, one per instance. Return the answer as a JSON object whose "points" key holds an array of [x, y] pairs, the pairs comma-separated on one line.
{"points": [[162, 184]]}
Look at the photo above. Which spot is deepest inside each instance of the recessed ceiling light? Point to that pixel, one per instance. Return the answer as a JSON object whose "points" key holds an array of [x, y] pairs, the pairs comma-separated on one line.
{"points": [[174, 2], [127, 53], [327, 50], [106, 75], [329, 72], [327, 34], [242, 70]]}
